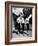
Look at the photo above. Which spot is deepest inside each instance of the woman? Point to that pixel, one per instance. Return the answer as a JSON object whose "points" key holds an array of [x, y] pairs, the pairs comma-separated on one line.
{"points": [[20, 21], [27, 16]]}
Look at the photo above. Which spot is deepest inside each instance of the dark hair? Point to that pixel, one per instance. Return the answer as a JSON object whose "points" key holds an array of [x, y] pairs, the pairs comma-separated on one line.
{"points": [[29, 10]]}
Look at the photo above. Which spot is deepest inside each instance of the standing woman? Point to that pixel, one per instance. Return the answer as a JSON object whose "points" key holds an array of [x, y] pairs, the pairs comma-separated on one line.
{"points": [[20, 21], [27, 15]]}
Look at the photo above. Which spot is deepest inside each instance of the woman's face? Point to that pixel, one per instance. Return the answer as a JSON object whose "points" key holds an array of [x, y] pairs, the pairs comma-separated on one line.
{"points": [[26, 11]]}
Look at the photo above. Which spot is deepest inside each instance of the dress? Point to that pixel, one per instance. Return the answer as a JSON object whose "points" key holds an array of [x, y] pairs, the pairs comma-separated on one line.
{"points": [[20, 21]]}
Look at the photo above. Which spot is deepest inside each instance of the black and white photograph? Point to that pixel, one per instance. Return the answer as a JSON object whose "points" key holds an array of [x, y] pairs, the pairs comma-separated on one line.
{"points": [[21, 22]]}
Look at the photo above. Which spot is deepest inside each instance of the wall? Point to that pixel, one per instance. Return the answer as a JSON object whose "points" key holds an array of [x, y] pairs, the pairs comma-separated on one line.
{"points": [[2, 22]]}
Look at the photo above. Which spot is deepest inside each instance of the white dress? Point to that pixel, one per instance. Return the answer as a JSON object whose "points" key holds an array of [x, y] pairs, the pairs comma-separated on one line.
{"points": [[20, 20]]}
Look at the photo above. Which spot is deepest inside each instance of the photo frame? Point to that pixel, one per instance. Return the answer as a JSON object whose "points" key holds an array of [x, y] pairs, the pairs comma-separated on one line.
{"points": [[20, 22]]}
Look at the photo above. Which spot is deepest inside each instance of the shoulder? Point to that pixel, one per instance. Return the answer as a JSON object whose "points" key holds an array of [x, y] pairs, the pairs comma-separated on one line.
{"points": [[18, 18]]}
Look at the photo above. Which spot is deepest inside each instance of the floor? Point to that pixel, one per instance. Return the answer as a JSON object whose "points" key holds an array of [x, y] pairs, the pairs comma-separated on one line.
{"points": [[25, 34]]}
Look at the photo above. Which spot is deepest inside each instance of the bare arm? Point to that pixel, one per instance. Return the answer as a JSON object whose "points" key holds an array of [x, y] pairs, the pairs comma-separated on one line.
{"points": [[29, 16]]}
